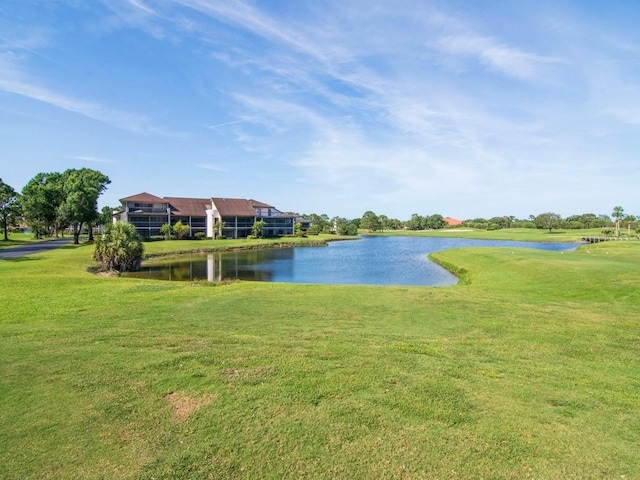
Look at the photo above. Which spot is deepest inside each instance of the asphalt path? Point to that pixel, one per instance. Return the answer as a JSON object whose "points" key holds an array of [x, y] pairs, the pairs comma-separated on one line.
{"points": [[34, 247]]}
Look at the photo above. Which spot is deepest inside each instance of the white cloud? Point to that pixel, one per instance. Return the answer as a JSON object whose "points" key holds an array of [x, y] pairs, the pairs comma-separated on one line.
{"points": [[212, 167], [498, 56], [90, 158]]}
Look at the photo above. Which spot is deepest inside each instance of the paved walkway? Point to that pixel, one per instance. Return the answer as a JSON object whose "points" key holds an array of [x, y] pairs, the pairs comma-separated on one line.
{"points": [[35, 247]]}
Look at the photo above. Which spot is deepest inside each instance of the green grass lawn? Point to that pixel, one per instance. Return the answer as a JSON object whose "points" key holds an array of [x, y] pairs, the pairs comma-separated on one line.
{"points": [[529, 370], [520, 234]]}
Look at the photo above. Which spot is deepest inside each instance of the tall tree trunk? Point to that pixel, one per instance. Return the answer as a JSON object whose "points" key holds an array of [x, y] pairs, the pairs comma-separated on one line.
{"points": [[77, 228]]}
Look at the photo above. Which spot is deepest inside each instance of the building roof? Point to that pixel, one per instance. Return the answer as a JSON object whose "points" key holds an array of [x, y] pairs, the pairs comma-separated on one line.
{"points": [[143, 197], [192, 207], [234, 207], [256, 203], [452, 222]]}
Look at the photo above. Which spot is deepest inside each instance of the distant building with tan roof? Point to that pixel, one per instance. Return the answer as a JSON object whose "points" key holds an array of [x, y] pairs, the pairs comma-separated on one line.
{"points": [[148, 213]]}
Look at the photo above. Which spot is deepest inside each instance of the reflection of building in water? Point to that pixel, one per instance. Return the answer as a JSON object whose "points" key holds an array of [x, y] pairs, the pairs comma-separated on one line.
{"points": [[263, 265], [213, 274]]}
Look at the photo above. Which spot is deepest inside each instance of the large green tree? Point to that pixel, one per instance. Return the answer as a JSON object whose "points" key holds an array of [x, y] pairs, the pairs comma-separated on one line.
{"points": [[417, 222], [370, 221], [82, 187], [10, 207], [548, 220], [435, 221], [42, 197]]}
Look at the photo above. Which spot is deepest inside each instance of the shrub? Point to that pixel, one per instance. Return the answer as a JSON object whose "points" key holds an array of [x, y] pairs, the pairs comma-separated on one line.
{"points": [[199, 236], [119, 248], [180, 230], [166, 230]]}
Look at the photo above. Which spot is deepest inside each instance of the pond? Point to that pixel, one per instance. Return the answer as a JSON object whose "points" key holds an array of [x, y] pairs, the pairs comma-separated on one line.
{"points": [[371, 260]]}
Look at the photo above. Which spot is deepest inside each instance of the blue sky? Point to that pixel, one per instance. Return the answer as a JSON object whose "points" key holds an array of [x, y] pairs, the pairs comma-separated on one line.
{"points": [[463, 108]]}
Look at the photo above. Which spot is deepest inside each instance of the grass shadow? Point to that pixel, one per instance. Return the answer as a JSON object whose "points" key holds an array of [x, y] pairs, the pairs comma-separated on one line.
{"points": [[25, 258]]}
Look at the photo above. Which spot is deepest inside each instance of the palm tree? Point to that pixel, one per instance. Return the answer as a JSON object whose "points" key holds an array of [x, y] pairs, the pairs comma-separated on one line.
{"points": [[119, 248], [618, 211], [629, 219]]}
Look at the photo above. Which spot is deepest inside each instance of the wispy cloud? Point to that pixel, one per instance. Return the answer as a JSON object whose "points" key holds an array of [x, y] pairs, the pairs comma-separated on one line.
{"points": [[224, 124], [497, 55], [212, 167], [94, 111], [90, 158], [14, 80]]}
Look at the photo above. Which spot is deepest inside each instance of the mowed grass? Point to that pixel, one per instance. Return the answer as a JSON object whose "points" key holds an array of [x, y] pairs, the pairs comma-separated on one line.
{"points": [[519, 234], [529, 370]]}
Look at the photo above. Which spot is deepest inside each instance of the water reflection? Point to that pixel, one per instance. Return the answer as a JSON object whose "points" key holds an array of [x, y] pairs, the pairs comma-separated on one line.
{"points": [[215, 267]]}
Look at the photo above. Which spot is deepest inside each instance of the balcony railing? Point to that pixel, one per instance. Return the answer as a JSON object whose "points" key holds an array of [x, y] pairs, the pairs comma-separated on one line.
{"points": [[146, 210]]}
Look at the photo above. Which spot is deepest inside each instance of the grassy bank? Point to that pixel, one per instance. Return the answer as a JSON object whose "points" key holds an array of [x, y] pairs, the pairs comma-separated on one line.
{"points": [[172, 247], [519, 234], [529, 371]]}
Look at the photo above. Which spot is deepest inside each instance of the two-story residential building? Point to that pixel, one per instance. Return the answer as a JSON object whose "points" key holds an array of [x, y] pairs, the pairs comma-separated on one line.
{"points": [[148, 213]]}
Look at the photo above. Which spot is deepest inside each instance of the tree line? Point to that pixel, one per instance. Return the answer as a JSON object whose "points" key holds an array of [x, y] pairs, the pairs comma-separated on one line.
{"points": [[618, 222], [52, 202]]}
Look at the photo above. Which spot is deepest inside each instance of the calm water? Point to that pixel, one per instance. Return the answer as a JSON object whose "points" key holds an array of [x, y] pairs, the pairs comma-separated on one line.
{"points": [[369, 261]]}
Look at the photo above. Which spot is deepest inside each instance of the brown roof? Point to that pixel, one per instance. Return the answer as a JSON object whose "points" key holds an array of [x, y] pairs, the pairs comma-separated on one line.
{"points": [[256, 203], [193, 207], [143, 197], [234, 207], [452, 221]]}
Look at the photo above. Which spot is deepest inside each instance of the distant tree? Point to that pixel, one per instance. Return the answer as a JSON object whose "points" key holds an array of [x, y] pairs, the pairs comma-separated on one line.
{"points": [[617, 213], [42, 197], [297, 230], [318, 223], [165, 231], [506, 221], [119, 248], [479, 222], [106, 216], [548, 220], [344, 226], [10, 207], [385, 223], [396, 224], [256, 229], [417, 222], [435, 222], [629, 219], [180, 230], [370, 221]]}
